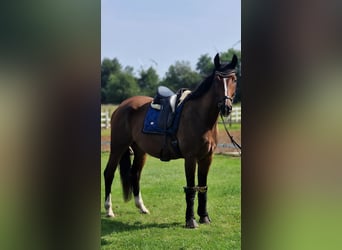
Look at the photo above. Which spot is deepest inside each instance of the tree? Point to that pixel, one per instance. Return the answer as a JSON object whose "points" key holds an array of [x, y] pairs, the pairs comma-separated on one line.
{"points": [[148, 81], [227, 56], [129, 70], [181, 75], [120, 87], [205, 65], [118, 84], [108, 67]]}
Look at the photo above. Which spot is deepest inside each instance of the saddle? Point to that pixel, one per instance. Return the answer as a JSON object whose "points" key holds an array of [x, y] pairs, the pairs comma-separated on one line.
{"points": [[168, 106], [167, 101]]}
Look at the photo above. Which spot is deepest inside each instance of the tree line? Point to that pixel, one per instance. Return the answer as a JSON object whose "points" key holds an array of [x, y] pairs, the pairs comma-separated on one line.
{"points": [[118, 83]]}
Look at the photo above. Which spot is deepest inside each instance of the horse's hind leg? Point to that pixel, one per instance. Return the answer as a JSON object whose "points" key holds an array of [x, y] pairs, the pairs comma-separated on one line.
{"points": [[109, 172], [138, 164]]}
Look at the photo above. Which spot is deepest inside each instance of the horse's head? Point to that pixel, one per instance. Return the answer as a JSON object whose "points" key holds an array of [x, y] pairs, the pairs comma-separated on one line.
{"points": [[225, 83]]}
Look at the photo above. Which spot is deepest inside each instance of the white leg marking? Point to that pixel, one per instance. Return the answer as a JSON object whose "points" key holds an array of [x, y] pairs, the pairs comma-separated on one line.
{"points": [[139, 203], [108, 206]]}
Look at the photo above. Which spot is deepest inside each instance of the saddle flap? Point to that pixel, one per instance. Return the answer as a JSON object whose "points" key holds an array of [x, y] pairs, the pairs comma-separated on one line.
{"points": [[173, 100]]}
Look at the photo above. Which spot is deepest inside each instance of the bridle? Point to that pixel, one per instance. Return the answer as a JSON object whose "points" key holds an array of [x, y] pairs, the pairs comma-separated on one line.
{"points": [[222, 103]]}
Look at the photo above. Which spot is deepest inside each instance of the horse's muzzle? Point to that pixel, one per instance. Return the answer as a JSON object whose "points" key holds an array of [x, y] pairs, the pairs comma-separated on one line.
{"points": [[225, 109]]}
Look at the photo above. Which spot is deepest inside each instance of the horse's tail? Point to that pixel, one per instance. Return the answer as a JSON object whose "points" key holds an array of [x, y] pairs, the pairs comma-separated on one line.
{"points": [[125, 174]]}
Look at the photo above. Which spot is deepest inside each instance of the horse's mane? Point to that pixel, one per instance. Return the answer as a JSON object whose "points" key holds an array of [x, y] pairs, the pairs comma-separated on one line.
{"points": [[202, 88]]}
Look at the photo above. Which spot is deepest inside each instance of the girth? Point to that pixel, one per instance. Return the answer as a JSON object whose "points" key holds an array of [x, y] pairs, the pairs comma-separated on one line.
{"points": [[167, 102]]}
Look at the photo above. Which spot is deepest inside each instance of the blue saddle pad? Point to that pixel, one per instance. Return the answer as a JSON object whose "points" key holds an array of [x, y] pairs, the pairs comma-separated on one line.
{"points": [[151, 122]]}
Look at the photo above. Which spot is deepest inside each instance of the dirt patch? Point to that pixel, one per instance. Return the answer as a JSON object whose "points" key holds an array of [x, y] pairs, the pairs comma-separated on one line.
{"points": [[224, 145], [105, 143]]}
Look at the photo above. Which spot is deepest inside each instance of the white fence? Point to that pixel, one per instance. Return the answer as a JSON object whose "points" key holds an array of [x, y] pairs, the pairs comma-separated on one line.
{"points": [[105, 119], [234, 117]]}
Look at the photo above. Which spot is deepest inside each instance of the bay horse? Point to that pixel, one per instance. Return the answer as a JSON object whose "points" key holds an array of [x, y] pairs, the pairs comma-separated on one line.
{"points": [[196, 134]]}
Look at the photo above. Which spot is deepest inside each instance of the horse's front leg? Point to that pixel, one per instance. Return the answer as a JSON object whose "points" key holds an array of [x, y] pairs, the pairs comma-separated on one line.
{"points": [[203, 169], [190, 192]]}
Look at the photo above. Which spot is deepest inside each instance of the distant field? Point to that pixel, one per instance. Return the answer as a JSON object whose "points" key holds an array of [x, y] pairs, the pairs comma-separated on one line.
{"points": [[162, 189]]}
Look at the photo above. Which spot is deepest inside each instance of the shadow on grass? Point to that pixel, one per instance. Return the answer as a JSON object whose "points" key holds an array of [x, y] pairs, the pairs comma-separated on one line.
{"points": [[110, 225]]}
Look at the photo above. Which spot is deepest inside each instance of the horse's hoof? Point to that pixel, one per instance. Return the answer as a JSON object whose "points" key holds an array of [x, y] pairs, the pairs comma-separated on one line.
{"points": [[191, 223], [205, 220], [110, 215], [144, 211]]}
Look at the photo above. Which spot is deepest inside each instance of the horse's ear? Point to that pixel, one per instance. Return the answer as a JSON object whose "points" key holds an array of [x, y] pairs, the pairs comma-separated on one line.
{"points": [[234, 61], [217, 61]]}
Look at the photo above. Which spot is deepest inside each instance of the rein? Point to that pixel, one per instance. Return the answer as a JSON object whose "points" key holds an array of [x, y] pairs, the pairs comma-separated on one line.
{"points": [[228, 75], [236, 145]]}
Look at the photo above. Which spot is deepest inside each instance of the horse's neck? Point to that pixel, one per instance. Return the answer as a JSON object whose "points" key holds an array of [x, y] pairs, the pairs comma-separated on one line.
{"points": [[209, 109]]}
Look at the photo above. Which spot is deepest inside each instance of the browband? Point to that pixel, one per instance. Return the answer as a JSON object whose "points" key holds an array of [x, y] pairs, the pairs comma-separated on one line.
{"points": [[225, 74]]}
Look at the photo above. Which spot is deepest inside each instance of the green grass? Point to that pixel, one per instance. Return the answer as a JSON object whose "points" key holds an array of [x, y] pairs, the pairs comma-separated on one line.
{"points": [[233, 127], [162, 190], [105, 131]]}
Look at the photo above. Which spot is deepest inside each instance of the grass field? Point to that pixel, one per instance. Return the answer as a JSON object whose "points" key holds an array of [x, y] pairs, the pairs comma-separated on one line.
{"points": [[162, 190]]}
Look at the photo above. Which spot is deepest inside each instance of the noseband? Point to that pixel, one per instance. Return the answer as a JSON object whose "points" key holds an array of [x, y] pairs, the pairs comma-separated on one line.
{"points": [[227, 98], [225, 109]]}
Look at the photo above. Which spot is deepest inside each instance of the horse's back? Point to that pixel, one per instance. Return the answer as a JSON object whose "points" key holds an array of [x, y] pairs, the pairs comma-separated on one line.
{"points": [[135, 102], [129, 112]]}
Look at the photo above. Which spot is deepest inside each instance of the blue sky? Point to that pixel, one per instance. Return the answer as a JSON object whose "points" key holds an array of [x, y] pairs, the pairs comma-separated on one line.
{"points": [[144, 33]]}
